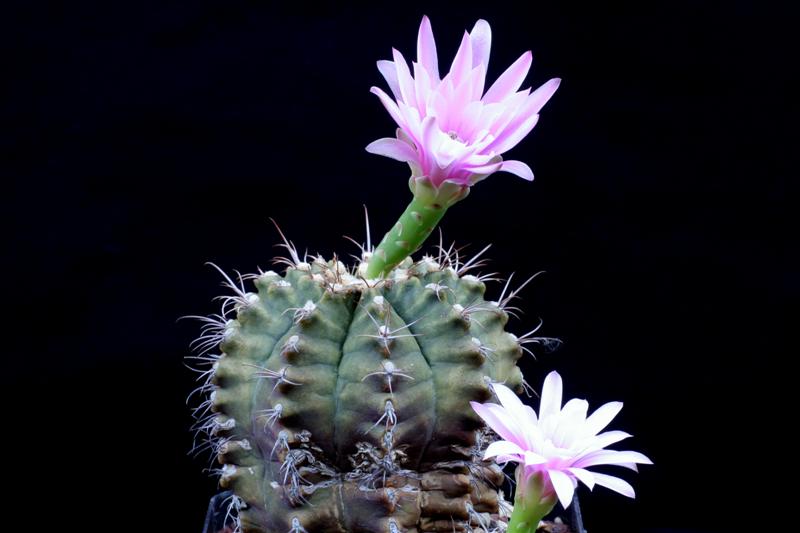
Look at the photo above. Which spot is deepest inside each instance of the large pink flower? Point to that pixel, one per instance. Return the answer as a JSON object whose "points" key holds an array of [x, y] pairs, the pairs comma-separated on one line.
{"points": [[561, 443], [449, 128]]}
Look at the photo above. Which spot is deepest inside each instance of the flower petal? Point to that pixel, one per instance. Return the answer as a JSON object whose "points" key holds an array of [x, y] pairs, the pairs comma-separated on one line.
{"points": [[501, 421], [516, 121], [510, 80], [602, 440], [612, 457], [563, 486], [503, 447], [532, 458], [404, 79], [462, 62], [481, 40], [430, 141], [422, 87], [611, 437], [394, 148], [477, 80], [602, 416], [586, 477], [614, 483], [511, 402], [512, 135], [551, 395], [518, 168], [487, 169], [426, 49], [540, 96], [390, 106], [569, 430], [389, 72]]}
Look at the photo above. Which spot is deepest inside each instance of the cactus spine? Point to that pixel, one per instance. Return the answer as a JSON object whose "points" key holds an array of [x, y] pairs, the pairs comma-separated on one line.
{"points": [[341, 404]]}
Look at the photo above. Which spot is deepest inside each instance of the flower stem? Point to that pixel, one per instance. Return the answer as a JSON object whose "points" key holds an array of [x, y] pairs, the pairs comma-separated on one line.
{"points": [[530, 505], [414, 226]]}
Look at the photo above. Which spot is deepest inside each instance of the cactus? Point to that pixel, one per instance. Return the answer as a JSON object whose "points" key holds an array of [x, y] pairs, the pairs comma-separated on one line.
{"points": [[340, 400], [351, 399], [339, 403]]}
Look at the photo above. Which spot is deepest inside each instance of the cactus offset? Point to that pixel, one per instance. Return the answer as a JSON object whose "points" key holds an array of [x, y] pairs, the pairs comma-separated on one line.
{"points": [[342, 404]]}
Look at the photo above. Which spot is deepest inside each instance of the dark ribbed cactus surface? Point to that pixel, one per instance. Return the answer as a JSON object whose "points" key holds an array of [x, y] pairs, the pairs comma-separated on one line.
{"points": [[337, 404]]}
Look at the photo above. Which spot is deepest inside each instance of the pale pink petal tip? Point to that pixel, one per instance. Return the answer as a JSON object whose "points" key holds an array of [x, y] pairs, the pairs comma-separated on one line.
{"points": [[481, 39], [426, 48], [551, 394], [510, 80]]}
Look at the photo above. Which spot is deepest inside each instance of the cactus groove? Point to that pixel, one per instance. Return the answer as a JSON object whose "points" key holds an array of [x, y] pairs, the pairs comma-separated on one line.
{"points": [[339, 404]]}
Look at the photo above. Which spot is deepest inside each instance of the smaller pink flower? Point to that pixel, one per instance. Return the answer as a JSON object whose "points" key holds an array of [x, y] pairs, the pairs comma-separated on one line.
{"points": [[561, 442], [451, 128]]}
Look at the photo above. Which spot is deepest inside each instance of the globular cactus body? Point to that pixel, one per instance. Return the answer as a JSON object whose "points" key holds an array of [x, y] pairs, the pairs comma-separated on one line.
{"points": [[342, 405]]}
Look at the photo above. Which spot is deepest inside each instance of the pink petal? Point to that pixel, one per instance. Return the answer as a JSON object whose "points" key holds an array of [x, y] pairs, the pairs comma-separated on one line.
{"points": [[499, 115], [518, 168], [477, 81], [511, 402], [462, 96], [577, 408], [404, 79], [540, 96], [611, 457], [411, 115], [570, 428], [606, 439], [563, 486], [394, 148], [512, 135], [426, 49], [614, 483], [389, 72], [531, 414], [484, 169], [586, 477], [500, 421], [602, 416], [510, 80], [403, 136], [422, 87], [502, 447], [514, 123], [551, 395], [462, 63], [469, 119], [429, 140], [532, 458], [390, 106], [481, 39]]}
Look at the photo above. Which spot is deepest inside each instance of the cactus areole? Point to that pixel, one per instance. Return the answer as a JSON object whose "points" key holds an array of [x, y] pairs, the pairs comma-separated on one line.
{"points": [[339, 404]]}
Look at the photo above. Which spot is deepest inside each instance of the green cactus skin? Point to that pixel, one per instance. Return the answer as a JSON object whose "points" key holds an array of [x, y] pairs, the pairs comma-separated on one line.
{"points": [[340, 404]]}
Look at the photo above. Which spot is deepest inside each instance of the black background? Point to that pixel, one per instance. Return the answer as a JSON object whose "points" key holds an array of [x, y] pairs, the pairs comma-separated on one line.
{"points": [[141, 141]]}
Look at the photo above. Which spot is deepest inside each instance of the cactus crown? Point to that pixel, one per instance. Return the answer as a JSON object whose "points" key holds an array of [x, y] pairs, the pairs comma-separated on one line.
{"points": [[338, 403]]}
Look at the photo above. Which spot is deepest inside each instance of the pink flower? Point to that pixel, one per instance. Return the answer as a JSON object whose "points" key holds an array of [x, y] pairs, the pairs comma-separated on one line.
{"points": [[449, 128], [561, 443]]}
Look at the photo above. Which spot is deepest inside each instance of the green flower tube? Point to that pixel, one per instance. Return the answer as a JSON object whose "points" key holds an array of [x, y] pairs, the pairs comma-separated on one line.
{"points": [[531, 503], [426, 209]]}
